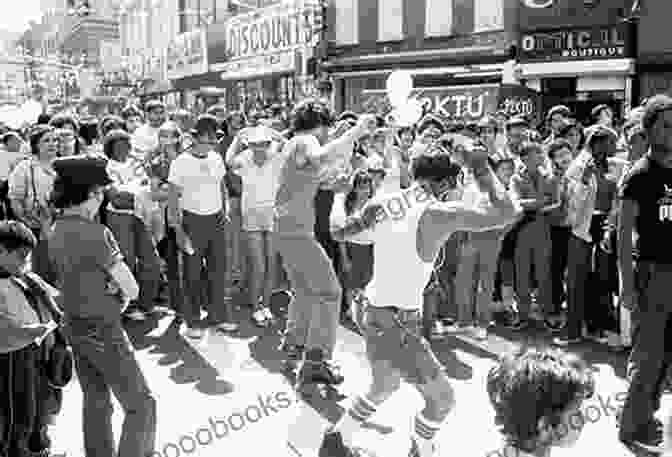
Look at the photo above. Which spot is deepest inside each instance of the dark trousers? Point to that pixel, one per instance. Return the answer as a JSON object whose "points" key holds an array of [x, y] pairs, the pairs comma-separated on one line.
{"points": [[26, 402], [105, 364], [559, 253], [324, 202], [170, 252], [137, 246], [208, 237], [652, 349], [579, 267]]}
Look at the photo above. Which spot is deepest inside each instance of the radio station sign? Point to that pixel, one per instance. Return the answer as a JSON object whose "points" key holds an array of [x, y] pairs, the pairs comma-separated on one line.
{"points": [[457, 102], [516, 100], [610, 42]]}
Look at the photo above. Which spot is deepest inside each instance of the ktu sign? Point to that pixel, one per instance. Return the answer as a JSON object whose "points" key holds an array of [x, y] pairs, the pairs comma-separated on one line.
{"points": [[456, 102]]}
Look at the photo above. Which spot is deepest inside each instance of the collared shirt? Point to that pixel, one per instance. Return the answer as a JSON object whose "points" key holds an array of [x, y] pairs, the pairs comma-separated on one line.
{"points": [[581, 197]]}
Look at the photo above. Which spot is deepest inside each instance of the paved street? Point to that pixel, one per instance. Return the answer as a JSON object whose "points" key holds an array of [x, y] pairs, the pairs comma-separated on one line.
{"points": [[228, 394]]}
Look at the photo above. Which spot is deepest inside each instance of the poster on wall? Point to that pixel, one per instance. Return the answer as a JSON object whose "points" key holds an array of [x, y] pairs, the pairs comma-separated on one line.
{"points": [[187, 55], [468, 103]]}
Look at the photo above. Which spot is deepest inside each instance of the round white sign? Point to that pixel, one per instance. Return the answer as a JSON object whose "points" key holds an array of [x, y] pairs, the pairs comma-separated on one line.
{"points": [[538, 4]]}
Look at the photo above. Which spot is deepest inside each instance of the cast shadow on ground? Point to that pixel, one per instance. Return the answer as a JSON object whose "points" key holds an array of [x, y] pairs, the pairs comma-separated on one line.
{"points": [[191, 367]]}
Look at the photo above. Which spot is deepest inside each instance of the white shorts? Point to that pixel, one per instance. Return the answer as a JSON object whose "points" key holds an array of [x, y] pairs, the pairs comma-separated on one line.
{"points": [[260, 219]]}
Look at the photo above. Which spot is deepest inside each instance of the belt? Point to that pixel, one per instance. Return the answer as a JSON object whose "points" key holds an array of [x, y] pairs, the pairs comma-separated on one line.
{"points": [[401, 313]]}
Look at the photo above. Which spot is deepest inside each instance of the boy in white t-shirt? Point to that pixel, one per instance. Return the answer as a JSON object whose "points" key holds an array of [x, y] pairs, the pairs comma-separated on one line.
{"points": [[409, 227], [199, 196], [259, 167]]}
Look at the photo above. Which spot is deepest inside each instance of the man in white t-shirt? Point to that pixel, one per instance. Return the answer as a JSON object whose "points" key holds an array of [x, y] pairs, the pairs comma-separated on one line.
{"points": [[409, 227], [199, 195]]}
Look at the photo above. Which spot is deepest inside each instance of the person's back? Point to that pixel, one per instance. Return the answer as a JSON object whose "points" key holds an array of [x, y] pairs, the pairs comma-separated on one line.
{"points": [[295, 213], [82, 250]]}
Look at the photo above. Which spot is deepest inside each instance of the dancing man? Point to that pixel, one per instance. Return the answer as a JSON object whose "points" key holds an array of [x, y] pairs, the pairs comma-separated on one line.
{"points": [[409, 227], [314, 313]]}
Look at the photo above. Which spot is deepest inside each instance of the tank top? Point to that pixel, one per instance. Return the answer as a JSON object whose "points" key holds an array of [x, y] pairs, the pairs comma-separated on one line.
{"points": [[294, 202]]}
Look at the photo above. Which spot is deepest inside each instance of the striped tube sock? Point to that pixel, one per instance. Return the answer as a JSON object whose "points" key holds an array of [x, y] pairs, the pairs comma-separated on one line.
{"points": [[360, 411], [425, 429]]}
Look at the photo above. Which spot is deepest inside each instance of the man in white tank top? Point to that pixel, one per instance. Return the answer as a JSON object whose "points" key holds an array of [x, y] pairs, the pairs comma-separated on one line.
{"points": [[408, 230]]}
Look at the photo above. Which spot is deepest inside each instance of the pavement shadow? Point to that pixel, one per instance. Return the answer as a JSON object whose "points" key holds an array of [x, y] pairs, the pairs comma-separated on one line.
{"points": [[593, 353], [191, 367]]}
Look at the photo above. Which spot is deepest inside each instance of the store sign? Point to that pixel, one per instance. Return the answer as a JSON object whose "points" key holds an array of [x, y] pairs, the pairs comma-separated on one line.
{"points": [[458, 102], [275, 63], [576, 44], [269, 36], [187, 55], [517, 100]]}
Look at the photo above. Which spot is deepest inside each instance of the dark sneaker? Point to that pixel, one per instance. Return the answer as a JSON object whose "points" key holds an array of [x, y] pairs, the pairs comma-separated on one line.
{"points": [[518, 324], [554, 323], [319, 373], [564, 342], [333, 446]]}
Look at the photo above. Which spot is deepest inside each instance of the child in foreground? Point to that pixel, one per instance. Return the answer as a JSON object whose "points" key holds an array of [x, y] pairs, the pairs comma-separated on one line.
{"points": [[537, 396]]}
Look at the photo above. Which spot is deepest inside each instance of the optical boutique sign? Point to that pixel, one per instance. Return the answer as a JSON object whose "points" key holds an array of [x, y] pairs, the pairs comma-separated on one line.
{"points": [[610, 42], [262, 43]]}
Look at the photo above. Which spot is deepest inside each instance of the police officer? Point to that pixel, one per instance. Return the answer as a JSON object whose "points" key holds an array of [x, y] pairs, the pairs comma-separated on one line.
{"points": [[645, 199]]}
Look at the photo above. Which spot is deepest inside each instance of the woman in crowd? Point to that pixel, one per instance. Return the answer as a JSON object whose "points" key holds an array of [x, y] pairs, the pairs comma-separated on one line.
{"points": [[572, 132], [30, 186], [133, 233], [356, 254]]}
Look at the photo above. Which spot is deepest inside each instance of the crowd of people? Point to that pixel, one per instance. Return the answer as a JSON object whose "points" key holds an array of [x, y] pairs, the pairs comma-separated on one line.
{"points": [[411, 232]]}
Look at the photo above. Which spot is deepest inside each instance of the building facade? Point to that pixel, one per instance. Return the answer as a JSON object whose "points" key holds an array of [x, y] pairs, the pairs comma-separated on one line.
{"points": [[654, 48], [458, 51], [578, 53]]}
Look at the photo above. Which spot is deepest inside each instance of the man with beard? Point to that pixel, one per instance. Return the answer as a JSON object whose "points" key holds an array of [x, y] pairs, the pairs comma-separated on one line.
{"points": [[646, 209]]}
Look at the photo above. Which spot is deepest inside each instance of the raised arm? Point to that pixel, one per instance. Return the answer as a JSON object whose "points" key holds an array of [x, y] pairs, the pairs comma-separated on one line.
{"points": [[442, 219], [342, 147]]}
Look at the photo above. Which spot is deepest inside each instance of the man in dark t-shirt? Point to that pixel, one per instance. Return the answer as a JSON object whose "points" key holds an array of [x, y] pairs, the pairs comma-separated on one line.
{"points": [[646, 212]]}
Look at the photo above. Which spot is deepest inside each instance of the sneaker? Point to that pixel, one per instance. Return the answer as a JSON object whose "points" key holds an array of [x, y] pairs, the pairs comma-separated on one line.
{"points": [[438, 330], [333, 446], [320, 373], [564, 341], [227, 327], [518, 324], [426, 449], [480, 333], [194, 333], [135, 315], [269, 315], [259, 318], [554, 323]]}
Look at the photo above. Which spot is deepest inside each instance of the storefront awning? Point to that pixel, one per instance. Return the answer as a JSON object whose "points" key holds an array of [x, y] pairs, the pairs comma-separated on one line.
{"points": [[577, 68], [458, 71]]}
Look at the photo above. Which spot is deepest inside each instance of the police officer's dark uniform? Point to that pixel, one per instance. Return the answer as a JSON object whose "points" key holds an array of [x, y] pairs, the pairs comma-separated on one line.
{"points": [[649, 185]]}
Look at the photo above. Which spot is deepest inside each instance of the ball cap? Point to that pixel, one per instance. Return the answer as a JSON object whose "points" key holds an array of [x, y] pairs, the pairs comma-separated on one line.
{"points": [[516, 122], [653, 107], [83, 170], [258, 135]]}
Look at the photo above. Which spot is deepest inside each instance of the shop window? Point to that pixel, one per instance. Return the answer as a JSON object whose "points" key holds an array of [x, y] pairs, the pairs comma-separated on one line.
{"points": [[347, 22], [488, 15], [439, 18], [390, 20]]}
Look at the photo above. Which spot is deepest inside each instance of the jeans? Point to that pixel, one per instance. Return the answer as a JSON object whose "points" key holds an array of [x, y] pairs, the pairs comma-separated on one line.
{"points": [[105, 362], [533, 253], [137, 246], [651, 352], [261, 266], [475, 280], [560, 243], [313, 315]]}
